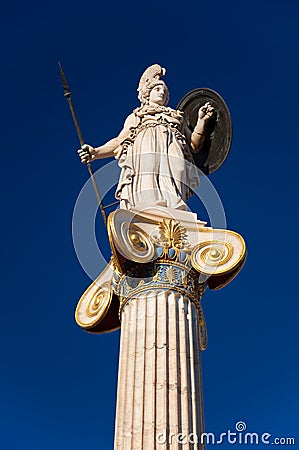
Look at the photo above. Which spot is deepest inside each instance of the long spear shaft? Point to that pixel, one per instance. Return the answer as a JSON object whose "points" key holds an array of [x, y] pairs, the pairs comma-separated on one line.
{"points": [[68, 95]]}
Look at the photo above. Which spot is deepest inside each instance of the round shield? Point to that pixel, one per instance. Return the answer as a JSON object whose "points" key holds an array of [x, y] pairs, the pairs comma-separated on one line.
{"points": [[218, 131]]}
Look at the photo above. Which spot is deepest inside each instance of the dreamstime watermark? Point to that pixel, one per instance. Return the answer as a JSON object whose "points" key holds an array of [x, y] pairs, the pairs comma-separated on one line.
{"points": [[238, 436]]}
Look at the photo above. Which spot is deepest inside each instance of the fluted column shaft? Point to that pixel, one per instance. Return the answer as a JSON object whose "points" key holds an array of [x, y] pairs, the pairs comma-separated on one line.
{"points": [[159, 398]]}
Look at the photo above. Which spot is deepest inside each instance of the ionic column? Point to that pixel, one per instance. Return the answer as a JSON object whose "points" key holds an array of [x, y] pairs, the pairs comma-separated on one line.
{"points": [[159, 399], [153, 286]]}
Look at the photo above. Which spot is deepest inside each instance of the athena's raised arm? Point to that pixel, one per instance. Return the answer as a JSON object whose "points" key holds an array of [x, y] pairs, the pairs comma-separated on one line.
{"points": [[198, 135]]}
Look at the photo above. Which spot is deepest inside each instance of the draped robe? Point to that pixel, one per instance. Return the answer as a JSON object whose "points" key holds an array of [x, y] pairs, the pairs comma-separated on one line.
{"points": [[155, 158]]}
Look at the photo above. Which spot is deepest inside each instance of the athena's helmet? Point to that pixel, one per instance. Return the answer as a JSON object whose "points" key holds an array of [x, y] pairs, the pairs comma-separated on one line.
{"points": [[149, 79]]}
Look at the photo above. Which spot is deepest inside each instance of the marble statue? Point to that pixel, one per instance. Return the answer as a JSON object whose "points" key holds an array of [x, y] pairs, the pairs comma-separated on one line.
{"points": [[154, 149]]}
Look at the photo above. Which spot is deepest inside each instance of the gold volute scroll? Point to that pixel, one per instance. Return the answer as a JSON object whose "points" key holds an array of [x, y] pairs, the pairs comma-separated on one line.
{"points": [[97, 309], [217, 257], [97, 304], [93, 305], [128, 239]]}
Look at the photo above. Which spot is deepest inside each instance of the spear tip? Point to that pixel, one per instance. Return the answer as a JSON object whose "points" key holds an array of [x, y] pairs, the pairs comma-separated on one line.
{"points": [[67, 92]]}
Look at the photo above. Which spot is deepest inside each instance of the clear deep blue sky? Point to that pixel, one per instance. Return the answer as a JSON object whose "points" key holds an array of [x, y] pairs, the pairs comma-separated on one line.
{"points": [[58, 383]]}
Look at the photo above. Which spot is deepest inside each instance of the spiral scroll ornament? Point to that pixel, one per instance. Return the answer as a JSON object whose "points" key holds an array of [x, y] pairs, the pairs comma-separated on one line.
{"points": [[129, 239], [135, 244], [92, 308], [213, 257], [98, 301]]}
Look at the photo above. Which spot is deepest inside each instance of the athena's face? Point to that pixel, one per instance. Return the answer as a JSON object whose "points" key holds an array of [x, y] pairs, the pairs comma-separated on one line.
{"points": [[158, 95]]}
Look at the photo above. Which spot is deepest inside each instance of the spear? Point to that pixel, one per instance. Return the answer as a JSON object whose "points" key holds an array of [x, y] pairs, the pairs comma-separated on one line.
{"points": [[68, 95]]}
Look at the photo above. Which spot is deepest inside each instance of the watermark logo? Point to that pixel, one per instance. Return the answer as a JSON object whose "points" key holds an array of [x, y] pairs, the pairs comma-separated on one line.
{"points": [[241, 426], [238, 436]]}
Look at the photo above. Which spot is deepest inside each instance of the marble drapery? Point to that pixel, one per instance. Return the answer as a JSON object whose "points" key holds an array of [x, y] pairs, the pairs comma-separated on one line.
{"points": [[156, 160]]}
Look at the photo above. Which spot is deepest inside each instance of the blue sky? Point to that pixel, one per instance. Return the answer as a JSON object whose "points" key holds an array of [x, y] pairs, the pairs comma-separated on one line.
{"points": [[58, 383]]}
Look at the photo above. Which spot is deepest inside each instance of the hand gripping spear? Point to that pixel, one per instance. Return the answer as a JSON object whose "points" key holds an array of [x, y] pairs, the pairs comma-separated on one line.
{"points": [[67, 94]]}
